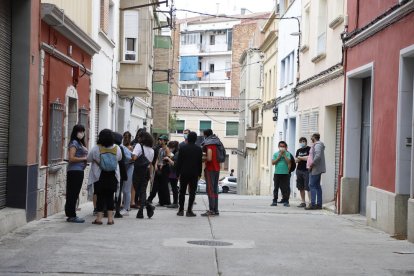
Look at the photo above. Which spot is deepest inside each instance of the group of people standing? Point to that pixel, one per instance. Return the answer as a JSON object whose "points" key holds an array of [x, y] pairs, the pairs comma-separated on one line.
{"points": [[121, 169], [309, 163]]}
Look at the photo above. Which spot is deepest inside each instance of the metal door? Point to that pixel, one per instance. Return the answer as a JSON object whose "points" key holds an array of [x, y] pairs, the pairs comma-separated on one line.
{"points": [[365, 144], [5, 68], [337, 145]]}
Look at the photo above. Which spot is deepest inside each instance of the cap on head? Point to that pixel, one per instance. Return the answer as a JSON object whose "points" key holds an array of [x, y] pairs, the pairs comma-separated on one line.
{"points": [[163, 137]]}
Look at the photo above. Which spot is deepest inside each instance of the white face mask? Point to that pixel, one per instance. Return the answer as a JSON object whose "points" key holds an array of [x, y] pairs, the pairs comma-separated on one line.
{"points": [[282, 149], [80, 135], [185, 136], [303, 145]]}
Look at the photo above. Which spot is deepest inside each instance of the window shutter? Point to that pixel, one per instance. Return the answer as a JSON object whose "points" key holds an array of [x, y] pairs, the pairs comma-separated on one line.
{"points": [[205, 125], [179, 126], [131, 24], [232, 128]]}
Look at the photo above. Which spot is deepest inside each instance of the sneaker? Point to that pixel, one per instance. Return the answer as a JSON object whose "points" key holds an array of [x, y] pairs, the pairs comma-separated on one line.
{"points": [[124, 212], [274, 203], [286, 204], [75, 220], [311, 207], [118, 215], [180, 213], [318, 207], [282, 201], [190, 214], [172, 206], [150, 210], [208, 214], [217, 213], [140, 214], [302, 205]]}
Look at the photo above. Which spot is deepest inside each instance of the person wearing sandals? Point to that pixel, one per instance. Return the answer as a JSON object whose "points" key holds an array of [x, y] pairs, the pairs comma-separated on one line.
{"points": [[143, 156], [75, 171], [105, 175]]}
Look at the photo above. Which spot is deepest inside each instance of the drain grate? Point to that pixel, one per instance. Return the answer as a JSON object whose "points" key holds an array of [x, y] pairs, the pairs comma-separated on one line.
{"points": [[210, 243]]}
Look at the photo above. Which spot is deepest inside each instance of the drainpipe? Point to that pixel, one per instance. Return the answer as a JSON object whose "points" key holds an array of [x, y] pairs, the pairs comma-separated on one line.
{"points": [[341, 159]]}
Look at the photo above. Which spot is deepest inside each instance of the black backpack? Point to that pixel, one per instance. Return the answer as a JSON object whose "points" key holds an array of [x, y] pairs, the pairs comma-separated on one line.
{"points": [[221, 153], [142, 161], [122, 167]]}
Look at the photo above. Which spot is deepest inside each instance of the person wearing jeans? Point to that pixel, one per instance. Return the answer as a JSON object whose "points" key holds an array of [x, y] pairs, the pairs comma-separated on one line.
{"points": [[316, 167], [75, 172]]}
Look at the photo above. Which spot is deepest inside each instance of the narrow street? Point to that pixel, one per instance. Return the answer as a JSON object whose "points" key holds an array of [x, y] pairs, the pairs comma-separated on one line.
{"points": [[258, 240]]}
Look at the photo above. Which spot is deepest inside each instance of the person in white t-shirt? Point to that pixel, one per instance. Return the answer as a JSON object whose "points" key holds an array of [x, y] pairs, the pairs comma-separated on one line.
{"points": [[143, 155]]}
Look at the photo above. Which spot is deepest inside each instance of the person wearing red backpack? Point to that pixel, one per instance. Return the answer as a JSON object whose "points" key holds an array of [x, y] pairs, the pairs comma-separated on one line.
{"points": [[105, 174]]}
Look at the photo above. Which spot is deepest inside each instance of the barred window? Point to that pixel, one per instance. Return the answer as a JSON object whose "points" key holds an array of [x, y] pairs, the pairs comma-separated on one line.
{"points": [[55, 146]]}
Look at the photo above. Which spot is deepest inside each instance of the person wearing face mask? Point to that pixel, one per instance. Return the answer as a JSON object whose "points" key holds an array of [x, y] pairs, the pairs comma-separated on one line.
{"points": [[282, 162], [185, 133], [75, 171], [302, 174], [317, 166]]}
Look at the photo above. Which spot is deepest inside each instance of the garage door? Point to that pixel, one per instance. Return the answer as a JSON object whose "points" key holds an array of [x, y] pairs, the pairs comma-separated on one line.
{"points": [[5, 61]]}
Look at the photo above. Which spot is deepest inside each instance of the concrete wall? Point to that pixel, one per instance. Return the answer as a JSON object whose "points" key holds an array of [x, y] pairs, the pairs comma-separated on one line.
{"points": [[77, 10]]}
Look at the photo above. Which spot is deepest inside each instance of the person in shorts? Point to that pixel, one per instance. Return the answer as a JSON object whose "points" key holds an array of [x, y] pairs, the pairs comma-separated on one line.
{"points": [[302, 173]]}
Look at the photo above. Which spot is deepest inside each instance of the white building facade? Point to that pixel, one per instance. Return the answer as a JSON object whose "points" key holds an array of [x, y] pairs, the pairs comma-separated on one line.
{"points": [[250, 124], [288, 49]]}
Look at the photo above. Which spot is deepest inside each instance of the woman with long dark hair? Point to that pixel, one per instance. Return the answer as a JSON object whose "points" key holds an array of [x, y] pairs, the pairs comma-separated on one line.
{"points": [[105, 174], [173, 178], [75, 171], [143, 155]]}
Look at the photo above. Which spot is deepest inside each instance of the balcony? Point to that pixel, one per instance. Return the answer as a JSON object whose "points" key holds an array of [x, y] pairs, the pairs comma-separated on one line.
{"points": [[251, 135]]}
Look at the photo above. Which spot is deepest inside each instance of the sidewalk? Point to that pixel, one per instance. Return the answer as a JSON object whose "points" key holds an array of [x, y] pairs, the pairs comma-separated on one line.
{"points": [[257, 240]]}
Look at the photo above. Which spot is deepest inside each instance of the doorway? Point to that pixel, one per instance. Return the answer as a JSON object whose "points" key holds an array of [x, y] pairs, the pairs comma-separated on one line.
{"points": [[365, 144]]}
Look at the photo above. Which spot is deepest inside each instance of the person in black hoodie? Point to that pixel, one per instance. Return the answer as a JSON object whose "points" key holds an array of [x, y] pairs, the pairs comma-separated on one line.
{"points": [[123, 173], [189, 168]]}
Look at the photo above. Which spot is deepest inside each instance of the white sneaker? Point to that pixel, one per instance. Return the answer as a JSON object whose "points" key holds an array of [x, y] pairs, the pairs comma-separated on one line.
{"points": [[124, 212]]}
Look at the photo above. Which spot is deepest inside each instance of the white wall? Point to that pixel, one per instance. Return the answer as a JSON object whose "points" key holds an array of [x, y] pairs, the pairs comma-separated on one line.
{"points": [[104, 78]]}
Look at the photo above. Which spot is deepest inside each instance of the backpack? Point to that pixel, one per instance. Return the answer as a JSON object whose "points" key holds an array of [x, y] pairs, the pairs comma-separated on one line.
{"points": [[122, 166], [221, 153], [292, 163], [142, 161], [108, 159]]}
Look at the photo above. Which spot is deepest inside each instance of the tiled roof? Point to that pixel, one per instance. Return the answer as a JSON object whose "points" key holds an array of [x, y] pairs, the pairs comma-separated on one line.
{"points": [[205, 103]]}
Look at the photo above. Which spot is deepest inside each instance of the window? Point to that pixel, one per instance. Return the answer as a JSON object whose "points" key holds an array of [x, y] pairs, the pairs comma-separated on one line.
{"points": [[291, 67], [212, 39], [84, 120], [255, 117], [287, 70], [211, 94], [179, 126], [232, 128], [130, 35], [229, 39], [211, 68], [204, 125], [283, 73], [104, 13], [55, 148], [322, 25], [190, 39]]}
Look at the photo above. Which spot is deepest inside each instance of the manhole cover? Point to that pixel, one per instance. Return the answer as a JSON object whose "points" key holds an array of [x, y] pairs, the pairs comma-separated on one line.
{"points": [[210, 243]]}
